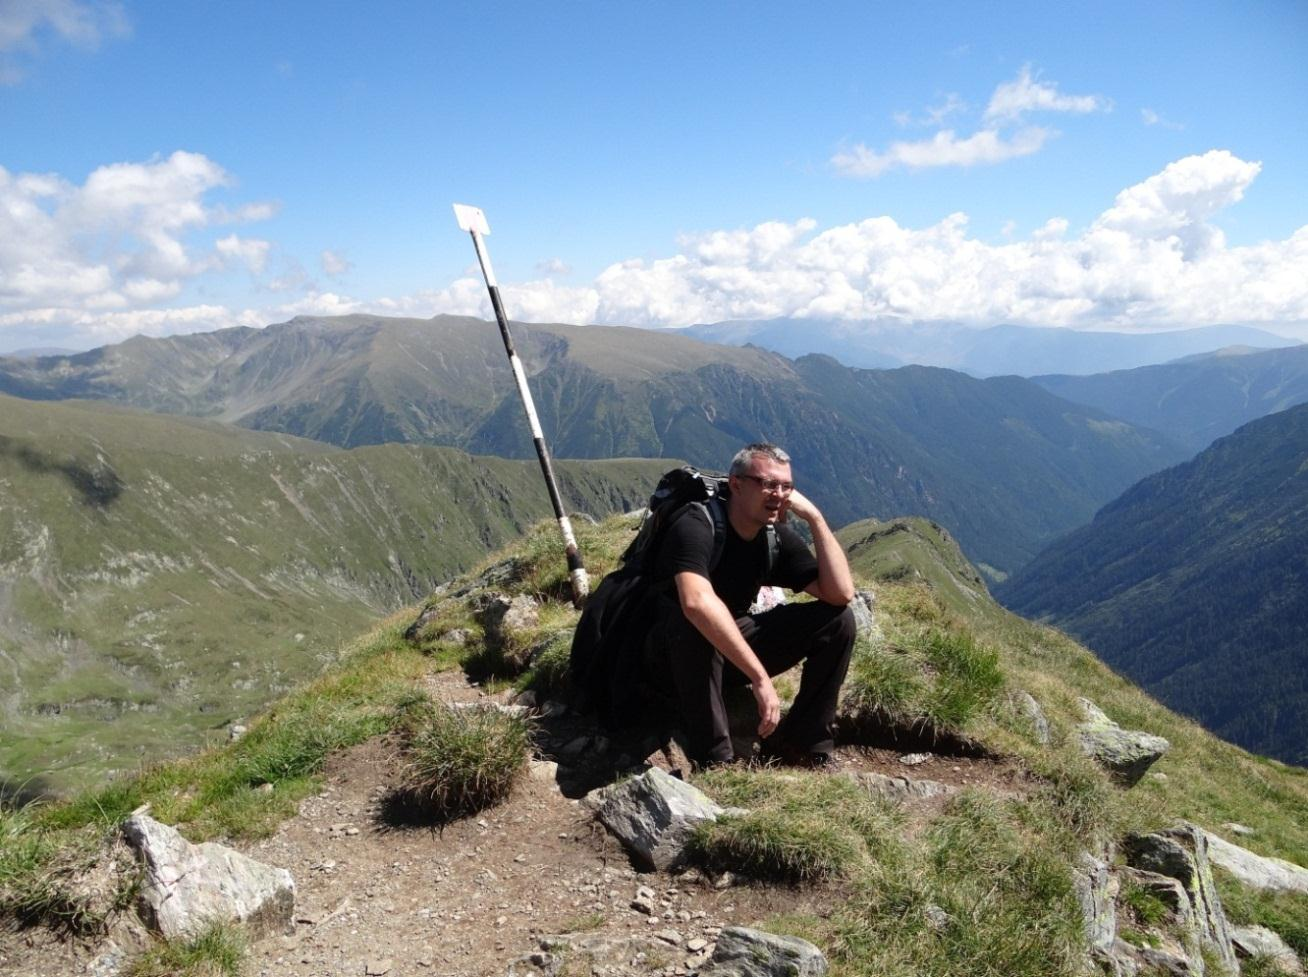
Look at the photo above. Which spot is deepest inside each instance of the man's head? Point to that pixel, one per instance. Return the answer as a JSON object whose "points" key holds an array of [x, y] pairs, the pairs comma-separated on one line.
{"points": [[760, 484]]}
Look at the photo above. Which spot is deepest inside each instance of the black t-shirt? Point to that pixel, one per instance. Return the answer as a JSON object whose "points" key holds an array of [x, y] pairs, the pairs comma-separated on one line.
{"points": [[688, 546]]}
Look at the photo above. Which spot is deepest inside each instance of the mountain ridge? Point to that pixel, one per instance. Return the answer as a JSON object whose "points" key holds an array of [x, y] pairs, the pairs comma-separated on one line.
{"points": [[616, 392]]}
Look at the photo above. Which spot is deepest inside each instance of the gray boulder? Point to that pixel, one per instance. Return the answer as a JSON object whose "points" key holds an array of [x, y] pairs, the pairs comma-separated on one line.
{"points": [[745, 952], [1259, 941], [1257, 871], [863, 605], [1096, 890], [187, 887], [1029, 708], [1126, 753], [505, 619], [900, 790], [654, 815], [1181, 853]]}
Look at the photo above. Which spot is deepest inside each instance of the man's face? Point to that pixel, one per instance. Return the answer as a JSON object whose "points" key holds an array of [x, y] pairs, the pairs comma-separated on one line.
{"points": [[756, 504]]}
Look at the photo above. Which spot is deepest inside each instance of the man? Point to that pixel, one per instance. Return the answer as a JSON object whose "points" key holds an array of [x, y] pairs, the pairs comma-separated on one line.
{"points": [[705, 639]]}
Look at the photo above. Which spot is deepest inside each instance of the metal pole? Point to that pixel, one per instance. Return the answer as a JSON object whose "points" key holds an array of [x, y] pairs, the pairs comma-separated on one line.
{"points": [[472, 220]]}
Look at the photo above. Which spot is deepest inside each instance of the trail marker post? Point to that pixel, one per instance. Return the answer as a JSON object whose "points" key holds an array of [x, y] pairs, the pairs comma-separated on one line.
{"points": [[472, 220]]}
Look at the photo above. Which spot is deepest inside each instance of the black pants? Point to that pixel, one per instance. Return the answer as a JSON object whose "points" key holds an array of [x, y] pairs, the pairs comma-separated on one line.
{"points": [[681, 662]]}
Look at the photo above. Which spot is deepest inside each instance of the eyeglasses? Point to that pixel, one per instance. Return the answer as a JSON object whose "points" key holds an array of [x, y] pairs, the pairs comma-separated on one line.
{"points": [[770, 485]]}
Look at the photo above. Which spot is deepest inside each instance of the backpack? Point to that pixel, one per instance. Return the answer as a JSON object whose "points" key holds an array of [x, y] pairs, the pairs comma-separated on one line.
{"points": [[607, 647]]}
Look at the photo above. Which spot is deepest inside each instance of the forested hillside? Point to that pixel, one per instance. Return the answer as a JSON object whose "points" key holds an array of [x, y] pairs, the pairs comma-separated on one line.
{"points": [[1195, 584]]}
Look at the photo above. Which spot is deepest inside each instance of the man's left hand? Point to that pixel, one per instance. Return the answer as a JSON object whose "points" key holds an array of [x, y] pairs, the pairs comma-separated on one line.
{"points": [[798, 505]]}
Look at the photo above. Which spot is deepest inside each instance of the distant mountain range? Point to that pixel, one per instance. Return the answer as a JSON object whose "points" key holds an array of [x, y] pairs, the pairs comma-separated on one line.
{"points": [[1195, 585], [1002, 463], [994, 351], [162, 576], [1199, 398]]}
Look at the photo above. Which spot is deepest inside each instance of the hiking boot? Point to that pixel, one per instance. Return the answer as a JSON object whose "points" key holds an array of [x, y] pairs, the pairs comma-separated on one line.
{"points": [[786, 755]]}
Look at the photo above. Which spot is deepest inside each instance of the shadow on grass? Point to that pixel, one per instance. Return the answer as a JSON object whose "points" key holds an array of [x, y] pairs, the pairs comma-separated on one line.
{"points": [[15, 794], [99, 487]]}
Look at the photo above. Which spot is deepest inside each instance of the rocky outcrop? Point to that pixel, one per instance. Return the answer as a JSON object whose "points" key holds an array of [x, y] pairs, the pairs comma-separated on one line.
{"points": [[743, 952], [1257, 871], [187, 887], [1174, 866], [654, 816], [1125, 753], [1259, 941]]}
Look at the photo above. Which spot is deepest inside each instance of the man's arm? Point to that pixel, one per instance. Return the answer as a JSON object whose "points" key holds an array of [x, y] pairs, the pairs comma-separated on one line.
{"points": [[834, 584], [704, 609]]}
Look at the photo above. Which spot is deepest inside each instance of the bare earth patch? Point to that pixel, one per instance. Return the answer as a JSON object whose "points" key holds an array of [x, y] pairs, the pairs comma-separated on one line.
{"points": [[380, 897]]}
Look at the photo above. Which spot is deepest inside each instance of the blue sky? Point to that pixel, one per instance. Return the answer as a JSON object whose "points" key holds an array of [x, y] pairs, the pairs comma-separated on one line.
{"points": [[169, 167]]}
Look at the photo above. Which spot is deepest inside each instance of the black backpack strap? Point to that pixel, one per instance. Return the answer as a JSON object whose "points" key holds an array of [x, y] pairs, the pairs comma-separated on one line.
{"points": [[717, 511], [774, 551]]}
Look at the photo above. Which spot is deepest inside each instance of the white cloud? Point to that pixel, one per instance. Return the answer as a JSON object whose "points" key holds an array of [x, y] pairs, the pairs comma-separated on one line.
{"points": [[554, 266], [84, 23], [124, 237], [990, 144], [934, 115], [252, 252], [1151, 118], [945, 148], [1013, 99], [1152, 259], [334, 263]]}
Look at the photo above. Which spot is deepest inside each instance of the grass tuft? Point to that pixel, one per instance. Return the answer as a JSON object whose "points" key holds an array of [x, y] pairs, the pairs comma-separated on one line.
{"points": [[218, 951], [800, 827], [458, 762]]}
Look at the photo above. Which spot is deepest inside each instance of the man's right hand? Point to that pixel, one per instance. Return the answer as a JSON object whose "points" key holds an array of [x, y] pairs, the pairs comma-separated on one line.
{"points": [[769, 707]]}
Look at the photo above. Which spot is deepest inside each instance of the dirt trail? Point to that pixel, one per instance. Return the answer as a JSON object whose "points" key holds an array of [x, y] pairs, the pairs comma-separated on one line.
{"points": [[478, 896]]}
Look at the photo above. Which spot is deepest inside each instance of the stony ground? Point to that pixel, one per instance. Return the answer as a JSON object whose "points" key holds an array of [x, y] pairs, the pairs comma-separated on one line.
{"points": [[488, 895]]}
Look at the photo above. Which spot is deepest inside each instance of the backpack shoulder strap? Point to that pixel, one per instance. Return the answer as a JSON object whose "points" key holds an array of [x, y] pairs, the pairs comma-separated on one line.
{"points": [[774, 550], [717, 511]]}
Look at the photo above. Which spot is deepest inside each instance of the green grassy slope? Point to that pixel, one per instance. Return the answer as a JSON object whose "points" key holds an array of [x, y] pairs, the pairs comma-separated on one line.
{"points": [[997, 864], [1002, 463], [1198, 399], [160, 576], [1195, 584]]}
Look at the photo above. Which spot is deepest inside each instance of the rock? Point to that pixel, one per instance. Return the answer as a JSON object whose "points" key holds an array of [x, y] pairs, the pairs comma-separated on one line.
{"points": [[915, 759], [1096, 890], [1181, 853], [235, 731], [1257, 871], [543, 770], [1035, 716], [505, 619], [670, 937], [936, 917], [1126, 753], [863, 605], [1259, 941], [654, 814], [644, 901], [901, 789], [186, 887], [456, 636], [1243, 830], [745, 952], [377, 968], [516, 711]]}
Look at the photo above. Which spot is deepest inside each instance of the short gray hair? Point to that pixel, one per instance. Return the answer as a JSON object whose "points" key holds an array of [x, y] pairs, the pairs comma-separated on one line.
{"points": [[759, 449]]}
